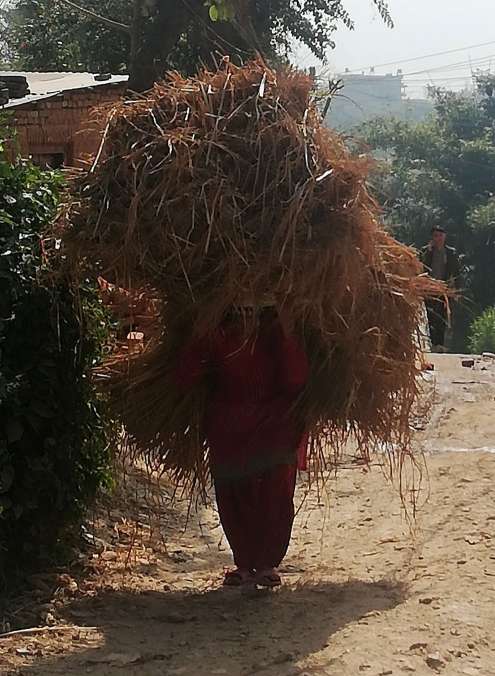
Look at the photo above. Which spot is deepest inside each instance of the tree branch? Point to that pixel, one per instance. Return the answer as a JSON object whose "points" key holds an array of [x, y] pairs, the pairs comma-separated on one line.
{"points": [[97, 17], [152, 41], [207, 24]]}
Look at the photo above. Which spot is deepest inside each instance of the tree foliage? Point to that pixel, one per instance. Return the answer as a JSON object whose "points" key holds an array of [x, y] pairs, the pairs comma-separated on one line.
{"points": [[43, 35], [53, 35], [53, 451], [443, 171], [482, 334]]}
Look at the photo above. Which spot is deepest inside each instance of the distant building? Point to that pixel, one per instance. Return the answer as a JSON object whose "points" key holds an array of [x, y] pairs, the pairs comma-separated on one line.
{"points": [[51, 113], [364, 97], [416, 110]]}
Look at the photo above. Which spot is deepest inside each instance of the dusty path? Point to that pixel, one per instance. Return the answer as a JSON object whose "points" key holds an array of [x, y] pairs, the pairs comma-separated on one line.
{"points": [[463, 415], [362, 596]]}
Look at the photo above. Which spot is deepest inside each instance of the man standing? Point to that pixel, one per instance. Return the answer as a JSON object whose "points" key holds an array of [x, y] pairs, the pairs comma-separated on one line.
{"points": [[441, 262]]}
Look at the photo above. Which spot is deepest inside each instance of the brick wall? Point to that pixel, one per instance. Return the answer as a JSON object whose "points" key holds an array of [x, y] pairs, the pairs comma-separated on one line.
{"points": [[63, 124]]}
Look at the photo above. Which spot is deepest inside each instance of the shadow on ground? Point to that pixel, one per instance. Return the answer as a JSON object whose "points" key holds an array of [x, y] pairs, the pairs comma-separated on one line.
{"points": [[218, 632]]}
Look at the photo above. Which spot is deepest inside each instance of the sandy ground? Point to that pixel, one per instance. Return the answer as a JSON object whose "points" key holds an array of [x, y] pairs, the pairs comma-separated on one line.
{"points": [[363, 594]]}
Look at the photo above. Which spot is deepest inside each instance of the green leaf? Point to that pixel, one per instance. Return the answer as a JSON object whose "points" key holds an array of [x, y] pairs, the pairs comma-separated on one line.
{"points": [[214, 14], [5, 504], [228, 11]]}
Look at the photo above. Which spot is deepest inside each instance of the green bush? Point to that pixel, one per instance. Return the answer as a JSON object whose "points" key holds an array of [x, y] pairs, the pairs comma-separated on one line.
{"points": [[53, 450], [482, 335]]}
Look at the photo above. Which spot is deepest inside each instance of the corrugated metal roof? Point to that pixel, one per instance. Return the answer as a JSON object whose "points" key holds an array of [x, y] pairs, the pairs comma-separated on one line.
{"points": [[45, 85]]}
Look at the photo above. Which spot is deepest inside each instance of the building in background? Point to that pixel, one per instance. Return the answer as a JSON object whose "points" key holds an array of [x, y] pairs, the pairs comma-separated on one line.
{"points": [[52, 113], [364, 97]]}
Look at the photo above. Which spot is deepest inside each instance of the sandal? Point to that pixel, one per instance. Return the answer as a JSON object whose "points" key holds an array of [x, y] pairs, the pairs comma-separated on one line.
{"points": [[269, 579], [236, 578]]}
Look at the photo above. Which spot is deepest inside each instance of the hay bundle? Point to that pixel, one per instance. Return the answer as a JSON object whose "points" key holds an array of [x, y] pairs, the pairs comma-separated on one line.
{"points": [[227, 187]]}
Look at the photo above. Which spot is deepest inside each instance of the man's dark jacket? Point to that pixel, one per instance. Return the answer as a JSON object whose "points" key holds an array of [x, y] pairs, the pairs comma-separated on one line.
{"points": [[453, 268]]}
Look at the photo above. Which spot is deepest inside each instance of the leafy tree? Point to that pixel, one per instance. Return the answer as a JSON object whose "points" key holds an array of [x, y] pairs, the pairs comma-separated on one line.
{"points": [[5, 56], [52, 36], [480, 235], [482, 333], [443, 171], [145, 37], [53, 449]]}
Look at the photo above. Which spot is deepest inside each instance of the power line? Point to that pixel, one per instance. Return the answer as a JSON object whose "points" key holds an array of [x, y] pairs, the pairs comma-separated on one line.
{"points": [[448, 67], [425, 56], [459, 78], [459, 65]]}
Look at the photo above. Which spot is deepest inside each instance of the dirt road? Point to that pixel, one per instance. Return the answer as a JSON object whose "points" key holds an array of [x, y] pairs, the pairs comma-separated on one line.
{"points": [[362, 595]]}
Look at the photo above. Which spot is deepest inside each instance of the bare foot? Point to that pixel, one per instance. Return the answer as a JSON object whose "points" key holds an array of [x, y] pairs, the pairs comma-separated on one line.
{"points": [[237, 577], [269, 577]]}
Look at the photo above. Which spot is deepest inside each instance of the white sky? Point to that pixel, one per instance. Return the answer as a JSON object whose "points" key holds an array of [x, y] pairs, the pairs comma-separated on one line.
{"points": [[421, 27]]}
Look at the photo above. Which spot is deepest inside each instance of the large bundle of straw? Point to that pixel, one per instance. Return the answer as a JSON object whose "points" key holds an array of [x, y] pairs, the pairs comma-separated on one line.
{"points": [[225, 187]]}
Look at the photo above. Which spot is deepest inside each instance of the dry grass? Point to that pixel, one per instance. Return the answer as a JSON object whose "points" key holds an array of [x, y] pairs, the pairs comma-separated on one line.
{"points": [[226, 187]]}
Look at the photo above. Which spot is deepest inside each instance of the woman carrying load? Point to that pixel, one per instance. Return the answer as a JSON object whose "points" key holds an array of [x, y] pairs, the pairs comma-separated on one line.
{"points": [[255, 438]]}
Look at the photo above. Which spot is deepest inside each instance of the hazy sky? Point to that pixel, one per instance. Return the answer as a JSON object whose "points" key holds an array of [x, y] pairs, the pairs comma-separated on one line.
{"points": [[421, 27]]}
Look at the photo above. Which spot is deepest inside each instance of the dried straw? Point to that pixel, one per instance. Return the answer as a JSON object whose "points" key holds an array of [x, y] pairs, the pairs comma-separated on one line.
{"points": [[228, 186]]}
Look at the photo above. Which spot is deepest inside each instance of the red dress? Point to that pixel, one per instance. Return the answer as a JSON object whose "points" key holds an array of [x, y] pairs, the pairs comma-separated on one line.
{"points": [[255, 439]]}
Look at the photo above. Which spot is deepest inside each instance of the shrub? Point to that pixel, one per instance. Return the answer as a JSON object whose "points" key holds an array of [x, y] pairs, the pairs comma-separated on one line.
{"points": [[482, 334], [53, 450]]}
